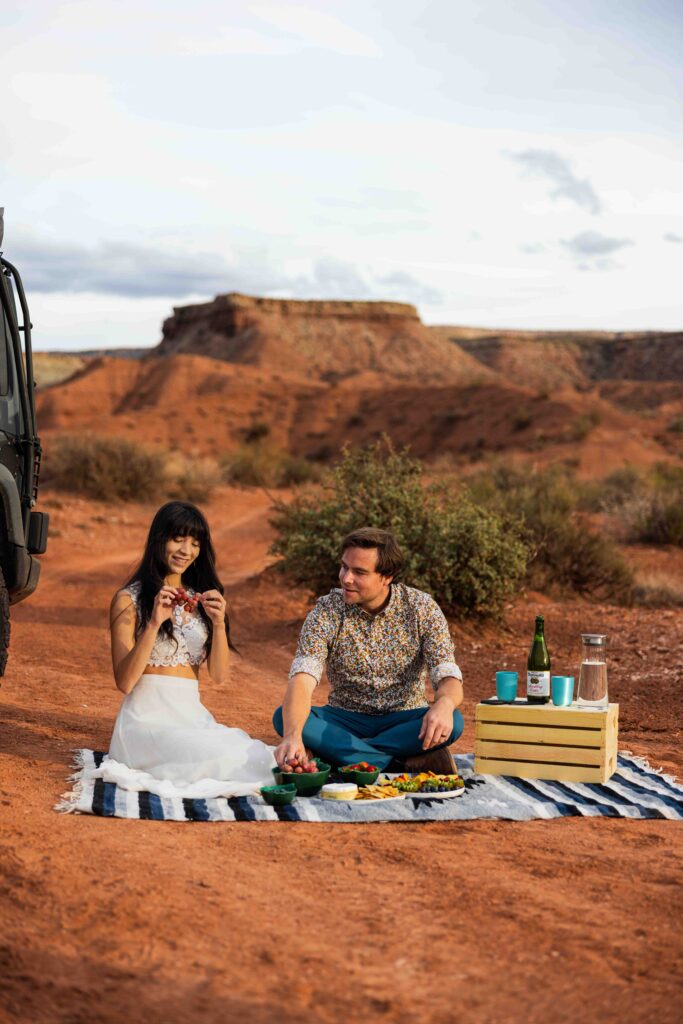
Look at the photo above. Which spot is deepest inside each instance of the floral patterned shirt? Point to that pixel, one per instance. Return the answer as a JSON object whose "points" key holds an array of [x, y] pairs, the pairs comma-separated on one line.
{"points": [[376, 663]]}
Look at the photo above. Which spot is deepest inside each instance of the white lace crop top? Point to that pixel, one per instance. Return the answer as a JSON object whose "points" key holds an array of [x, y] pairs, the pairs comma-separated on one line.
{"points": [[189, 630]]}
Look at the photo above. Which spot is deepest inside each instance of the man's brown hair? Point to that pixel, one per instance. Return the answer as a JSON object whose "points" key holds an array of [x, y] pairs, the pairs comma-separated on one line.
{"points": [[389, 554]]}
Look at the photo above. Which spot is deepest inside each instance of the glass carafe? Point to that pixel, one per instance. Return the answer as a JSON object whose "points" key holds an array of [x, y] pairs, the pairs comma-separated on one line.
{"points": [[592, 691]]}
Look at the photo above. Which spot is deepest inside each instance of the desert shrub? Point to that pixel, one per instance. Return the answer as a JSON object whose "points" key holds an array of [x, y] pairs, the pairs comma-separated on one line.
{"points": [[114, 468], [583, 424], [609, 493], [564, 552], [262, 465], [105, 468], [470, 559], [676, 426], [658, 590], [257, 431], [652, 513], [521, 421], [668, 477], [191, 479], [655, 518]]}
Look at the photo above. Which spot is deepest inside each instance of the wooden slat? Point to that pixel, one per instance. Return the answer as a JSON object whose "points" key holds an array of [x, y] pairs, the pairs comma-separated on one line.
{"points": [[541, 753], [553, 772], [513, 731], [543, 714]]}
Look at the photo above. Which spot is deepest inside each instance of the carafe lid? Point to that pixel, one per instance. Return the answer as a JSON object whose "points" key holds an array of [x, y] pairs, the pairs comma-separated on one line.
{"points": [[594, 639]]}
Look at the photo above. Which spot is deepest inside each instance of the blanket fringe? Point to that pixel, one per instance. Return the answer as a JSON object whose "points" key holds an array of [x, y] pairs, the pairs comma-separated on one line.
{"points": [[643, 762], [70, 800]]}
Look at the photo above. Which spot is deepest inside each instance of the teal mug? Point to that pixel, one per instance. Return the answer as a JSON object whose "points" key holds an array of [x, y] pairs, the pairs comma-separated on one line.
{"points": [[562, 690], [506, 686]]}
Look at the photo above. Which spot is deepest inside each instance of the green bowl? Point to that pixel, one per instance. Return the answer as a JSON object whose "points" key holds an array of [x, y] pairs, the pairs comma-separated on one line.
{"points": [[278, 796], [307, 783], [360, 778]]}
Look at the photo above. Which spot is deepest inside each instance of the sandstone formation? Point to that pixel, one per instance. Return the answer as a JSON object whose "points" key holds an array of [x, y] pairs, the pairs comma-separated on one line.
{"points": [[328, 340], [313, 376], [579, 358]]}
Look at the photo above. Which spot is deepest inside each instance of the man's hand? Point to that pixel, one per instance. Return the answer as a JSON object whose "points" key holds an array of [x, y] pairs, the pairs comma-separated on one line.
{"points": [[291, 746], [437, 724]]}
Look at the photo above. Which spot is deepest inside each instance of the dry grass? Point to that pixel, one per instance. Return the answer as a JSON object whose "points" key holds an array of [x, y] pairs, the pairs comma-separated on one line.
{"points": [[658, 589], [54, 368]]}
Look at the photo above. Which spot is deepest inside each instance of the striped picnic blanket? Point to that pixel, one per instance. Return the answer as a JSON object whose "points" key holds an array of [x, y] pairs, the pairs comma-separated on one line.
{"points": [[636, 790]]}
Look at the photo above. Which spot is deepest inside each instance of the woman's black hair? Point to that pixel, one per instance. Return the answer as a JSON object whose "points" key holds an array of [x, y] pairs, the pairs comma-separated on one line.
{"points": [[177, 519]]}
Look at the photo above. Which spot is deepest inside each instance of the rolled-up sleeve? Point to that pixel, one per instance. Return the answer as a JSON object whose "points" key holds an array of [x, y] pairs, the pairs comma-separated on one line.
{"points": [[317, 633], [437, 645]]}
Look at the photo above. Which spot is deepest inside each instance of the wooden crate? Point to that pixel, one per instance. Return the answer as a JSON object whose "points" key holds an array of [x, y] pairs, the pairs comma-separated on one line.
{"points": [[541, 741]]}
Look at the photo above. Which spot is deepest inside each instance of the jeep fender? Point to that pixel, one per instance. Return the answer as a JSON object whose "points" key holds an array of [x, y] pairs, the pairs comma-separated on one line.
{"points": [[11, 508], [20, 570]]}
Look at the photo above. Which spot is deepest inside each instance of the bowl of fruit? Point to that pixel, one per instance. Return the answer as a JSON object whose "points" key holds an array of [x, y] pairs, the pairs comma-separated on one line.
{"points": [[278, 796], [307, 775], [362, 773]]}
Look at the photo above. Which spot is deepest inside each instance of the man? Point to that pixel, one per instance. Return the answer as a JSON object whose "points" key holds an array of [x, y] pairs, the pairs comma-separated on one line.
{"points": [[375, 635]]}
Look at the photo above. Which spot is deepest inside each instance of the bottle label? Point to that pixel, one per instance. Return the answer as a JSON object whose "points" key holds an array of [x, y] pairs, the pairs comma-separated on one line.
{"points": [[538, 684]]}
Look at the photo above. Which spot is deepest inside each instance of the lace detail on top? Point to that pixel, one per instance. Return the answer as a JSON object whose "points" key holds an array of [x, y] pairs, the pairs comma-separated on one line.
{"points": [[189, 630]]}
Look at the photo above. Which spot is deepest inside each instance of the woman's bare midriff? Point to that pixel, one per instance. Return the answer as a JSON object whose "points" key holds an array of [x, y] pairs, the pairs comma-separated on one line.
{"points": [[188, 671]]}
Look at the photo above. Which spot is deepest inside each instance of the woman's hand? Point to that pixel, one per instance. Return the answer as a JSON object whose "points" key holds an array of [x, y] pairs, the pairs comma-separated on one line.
{"points": [[214, 605], [163, 606]]}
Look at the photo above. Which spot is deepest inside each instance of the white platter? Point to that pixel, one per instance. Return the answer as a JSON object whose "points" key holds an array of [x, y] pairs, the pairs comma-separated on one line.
{"points": [[438, 796]]}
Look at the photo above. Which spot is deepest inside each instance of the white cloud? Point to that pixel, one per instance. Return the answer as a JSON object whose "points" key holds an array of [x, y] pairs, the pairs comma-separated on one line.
{"points": [[592, 250], [555, 168], [145, 271]]}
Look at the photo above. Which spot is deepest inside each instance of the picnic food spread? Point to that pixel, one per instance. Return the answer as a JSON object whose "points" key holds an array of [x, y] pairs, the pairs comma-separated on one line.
{"points": [[362, 766], [425, 782], [339, 791], [388, 786], [375, 792]]}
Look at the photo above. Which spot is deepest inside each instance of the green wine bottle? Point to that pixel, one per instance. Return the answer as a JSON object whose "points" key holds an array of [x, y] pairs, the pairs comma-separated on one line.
{"points": [[538, 668]]}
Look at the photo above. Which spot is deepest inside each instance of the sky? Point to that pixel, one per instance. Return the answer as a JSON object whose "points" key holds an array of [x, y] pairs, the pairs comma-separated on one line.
{"points": [[495, 164]]}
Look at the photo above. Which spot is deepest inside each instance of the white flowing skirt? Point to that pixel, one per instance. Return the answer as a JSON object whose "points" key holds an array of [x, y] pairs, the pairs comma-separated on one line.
{"points": [[166, 742]]}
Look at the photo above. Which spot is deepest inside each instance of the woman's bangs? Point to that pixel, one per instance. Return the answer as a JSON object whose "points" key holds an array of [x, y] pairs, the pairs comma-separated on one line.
{"points": [[187, 523]]}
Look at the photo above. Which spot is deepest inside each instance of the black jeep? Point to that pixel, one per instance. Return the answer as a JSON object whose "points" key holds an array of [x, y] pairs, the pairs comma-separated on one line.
{"points": [[23, 532]]}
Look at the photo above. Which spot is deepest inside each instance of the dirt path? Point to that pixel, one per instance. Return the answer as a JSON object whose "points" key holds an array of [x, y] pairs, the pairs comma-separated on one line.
{"points": [[109, 920]]}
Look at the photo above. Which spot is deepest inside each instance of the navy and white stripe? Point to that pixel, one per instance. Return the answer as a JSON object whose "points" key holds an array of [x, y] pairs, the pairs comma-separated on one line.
{"points": [[636, 790]]}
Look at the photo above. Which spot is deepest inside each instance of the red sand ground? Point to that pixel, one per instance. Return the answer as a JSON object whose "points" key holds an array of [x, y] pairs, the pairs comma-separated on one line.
{"points": [[107, 921]]}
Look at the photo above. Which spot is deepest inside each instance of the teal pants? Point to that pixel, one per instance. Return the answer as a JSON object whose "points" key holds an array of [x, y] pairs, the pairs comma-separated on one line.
{"points": [[344, 737]]}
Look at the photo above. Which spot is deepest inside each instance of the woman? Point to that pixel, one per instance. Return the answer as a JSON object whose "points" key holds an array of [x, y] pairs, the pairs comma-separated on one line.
{"points": [[166, 621]]}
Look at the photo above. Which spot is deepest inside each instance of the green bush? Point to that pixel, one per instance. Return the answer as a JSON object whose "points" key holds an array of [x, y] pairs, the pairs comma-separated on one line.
{"points": [[261, 465], [470, 559], [564, 552], [105, 468]]}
